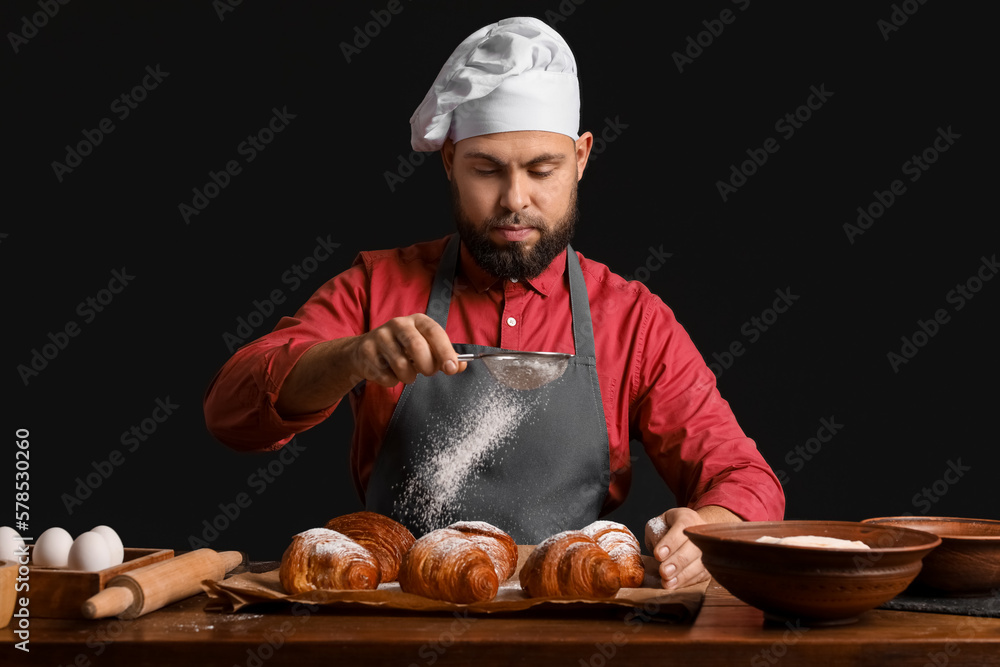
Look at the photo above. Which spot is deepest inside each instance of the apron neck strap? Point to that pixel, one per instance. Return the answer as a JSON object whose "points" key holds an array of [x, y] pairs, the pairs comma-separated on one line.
{"points": [[583, 329], [441, 291], [440, 299]]}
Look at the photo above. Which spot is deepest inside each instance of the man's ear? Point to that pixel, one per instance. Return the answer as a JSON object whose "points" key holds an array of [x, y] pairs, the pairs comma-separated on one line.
{"points": [[448, 156], [583, 146]]}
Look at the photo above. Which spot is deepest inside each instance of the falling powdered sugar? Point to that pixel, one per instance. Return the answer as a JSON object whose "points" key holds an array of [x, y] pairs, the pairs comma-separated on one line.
{"points": [[461, 445]]}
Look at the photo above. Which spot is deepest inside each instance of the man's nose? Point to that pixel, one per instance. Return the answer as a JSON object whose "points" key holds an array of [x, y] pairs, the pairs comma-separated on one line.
{"points": [[515, 197]]}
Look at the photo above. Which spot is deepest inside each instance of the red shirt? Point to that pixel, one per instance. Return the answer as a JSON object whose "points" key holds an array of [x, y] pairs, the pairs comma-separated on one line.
{"points": [[655, 386]]}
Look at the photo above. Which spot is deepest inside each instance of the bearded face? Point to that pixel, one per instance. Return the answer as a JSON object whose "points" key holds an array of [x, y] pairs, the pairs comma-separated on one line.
{"points": [[514, 197], [514, 258]]}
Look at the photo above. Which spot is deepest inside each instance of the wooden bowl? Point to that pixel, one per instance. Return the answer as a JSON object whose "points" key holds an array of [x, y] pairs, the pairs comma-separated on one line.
{"points": [[968, 561], [61, 592], [812, 585], [8, 577]]}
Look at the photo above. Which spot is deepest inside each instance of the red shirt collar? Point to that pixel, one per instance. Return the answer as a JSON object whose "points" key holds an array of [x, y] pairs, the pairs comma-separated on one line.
{"points": [[481, 280]]}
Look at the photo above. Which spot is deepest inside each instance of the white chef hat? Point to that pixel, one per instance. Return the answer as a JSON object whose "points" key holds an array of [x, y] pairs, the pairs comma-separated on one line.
{"points": [[516, 74]]}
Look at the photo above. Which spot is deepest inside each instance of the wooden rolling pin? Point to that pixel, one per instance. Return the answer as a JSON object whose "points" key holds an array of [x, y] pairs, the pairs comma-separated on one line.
{"points": [[154, 586]]}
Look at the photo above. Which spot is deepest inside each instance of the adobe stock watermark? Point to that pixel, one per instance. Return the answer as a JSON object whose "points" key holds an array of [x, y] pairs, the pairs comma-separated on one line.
{"points": [[258, 481], [366, 366], [914, 168], [608, 134], [957, 297], [802, 454], [971, 626], [696, 45], [548, 523], [223, 7], [294, 276], [779, 647], [655, 261], [132, 439], [106, 634], [122, 107], [924, 500], [88, 309], [786, 125], [634, 621], [752, 330], [953, 473], [561, 13], [364, 34], [110, 630], [900, 14], [439, 305], [275, 639], [30, 25], [407, 166], [430, 652], [248, 149]]}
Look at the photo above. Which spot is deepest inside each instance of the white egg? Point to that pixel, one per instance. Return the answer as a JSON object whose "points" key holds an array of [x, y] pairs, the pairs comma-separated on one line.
{"points": [[52, 548], [89, 552], [115, 545], [11, 544]]}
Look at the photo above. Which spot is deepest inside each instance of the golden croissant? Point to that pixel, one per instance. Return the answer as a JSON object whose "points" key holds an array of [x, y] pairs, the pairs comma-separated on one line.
{"points": [[570, 564], [497, 544], [321, 559], [623, 547], [387, 539], [446, 565]]}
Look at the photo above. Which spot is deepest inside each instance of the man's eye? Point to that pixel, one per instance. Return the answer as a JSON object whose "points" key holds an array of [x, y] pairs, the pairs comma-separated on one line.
{"points": [[543, 174], [485, 172]]}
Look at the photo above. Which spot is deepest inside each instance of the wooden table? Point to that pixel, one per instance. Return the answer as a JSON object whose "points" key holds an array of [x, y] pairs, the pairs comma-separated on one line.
{"points": [[726, 632]]}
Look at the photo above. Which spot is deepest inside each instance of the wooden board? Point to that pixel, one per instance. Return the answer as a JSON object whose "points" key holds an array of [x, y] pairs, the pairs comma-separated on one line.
{"points": [[726, 632], [59, 593]]}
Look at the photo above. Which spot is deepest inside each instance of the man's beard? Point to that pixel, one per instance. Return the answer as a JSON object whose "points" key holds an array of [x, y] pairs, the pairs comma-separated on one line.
{"points": [[515, 260]]}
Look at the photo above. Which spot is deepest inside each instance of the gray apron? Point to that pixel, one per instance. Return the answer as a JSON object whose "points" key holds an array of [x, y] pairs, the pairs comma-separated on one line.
{"points": [[465, 448]]}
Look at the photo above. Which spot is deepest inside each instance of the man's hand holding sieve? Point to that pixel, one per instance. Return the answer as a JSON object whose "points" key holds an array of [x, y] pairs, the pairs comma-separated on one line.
{"points": [[403, 348], [395, 352]]}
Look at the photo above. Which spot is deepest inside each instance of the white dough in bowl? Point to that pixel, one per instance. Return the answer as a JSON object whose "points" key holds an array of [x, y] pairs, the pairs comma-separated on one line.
{"points": [[814, 541]]}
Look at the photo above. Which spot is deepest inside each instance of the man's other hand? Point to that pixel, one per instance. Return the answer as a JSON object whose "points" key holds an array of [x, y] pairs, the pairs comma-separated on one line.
{"points": [[679, 559]]}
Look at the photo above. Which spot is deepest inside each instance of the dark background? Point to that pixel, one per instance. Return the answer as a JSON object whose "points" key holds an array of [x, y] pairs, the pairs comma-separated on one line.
{"points": [[675, 134]]}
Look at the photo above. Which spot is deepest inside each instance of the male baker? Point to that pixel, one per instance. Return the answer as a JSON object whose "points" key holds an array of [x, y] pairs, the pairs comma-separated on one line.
{"points": [[504, 114]]}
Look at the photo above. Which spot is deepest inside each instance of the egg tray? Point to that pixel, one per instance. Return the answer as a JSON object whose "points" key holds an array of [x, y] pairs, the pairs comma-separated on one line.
{"points": [[60, 593]]}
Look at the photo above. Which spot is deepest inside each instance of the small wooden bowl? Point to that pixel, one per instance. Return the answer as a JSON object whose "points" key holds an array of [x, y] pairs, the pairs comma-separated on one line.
{"points": [[812, 585], [967, 563], [8, 594], [60, 592]]}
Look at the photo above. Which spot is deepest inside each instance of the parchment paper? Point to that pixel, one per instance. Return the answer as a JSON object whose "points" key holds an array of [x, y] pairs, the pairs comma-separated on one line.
{"points": [[652, 601]]}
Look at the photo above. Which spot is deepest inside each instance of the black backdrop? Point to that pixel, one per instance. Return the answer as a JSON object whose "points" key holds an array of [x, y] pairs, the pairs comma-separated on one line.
{"points": [[912, 436]]}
